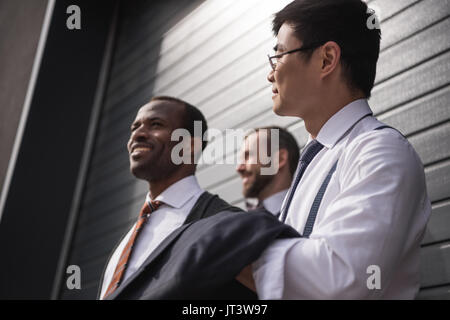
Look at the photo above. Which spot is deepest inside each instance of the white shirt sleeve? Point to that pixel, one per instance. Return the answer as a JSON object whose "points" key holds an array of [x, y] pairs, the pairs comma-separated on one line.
{"points": [[377, 218]]}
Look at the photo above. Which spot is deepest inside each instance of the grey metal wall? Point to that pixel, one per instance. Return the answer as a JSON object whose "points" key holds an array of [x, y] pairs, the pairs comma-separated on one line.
{"points": [[20, 26], [213, 54]]}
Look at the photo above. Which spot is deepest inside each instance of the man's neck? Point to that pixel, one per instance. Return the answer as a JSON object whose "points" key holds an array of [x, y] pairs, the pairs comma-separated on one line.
{"points": [[156, 187], [329, 106]]}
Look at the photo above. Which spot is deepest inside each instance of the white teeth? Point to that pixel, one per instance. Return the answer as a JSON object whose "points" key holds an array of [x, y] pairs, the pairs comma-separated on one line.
{"points": [[141, 149]]}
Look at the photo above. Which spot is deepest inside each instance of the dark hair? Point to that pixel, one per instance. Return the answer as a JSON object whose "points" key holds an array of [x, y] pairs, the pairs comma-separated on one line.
{"points": [[286, 141], [191, 114], [344, 22]]}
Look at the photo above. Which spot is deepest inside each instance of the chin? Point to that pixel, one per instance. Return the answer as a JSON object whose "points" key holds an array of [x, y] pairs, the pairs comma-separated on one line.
{"points": [[285, 110], [138, 171], [276, 107], [246, 189], [278, 110], [248, 194]]}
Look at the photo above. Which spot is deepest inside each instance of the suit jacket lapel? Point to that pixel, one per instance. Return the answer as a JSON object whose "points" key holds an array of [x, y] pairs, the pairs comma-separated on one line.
{"points": [[99, 290], [199, 208], [196, 213], [162, 246]]}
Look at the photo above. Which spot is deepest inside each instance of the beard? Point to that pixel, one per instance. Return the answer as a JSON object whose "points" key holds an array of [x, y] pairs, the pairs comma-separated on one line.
{"points": [[260, 182]]}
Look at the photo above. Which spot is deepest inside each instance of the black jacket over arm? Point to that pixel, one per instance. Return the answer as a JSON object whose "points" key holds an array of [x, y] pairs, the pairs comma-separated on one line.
{"points": [[201, 259]]}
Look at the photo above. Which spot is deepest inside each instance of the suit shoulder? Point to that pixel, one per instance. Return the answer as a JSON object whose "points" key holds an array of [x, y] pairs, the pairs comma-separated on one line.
{"points": [[218, 204], [208, 205]]}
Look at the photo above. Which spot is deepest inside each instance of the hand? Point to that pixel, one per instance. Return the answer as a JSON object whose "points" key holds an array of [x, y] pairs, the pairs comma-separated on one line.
{"points": [[246, 278]]}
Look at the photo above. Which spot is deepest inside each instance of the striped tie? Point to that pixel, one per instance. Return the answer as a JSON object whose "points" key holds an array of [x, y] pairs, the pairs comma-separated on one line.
{"points": [[308, 154], [146, 210]]}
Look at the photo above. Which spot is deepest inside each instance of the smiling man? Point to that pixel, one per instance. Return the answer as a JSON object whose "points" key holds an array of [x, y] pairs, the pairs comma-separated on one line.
{"points": [[268, 189], [174, 198], [358, 198]]}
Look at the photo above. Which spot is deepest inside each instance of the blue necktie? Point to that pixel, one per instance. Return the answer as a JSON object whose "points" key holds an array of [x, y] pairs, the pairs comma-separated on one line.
{"points": [[308, 154]]}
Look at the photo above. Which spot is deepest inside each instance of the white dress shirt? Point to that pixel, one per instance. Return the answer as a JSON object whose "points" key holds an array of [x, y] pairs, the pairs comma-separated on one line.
{"points": [[178, 201], [273, 203], [374, 212]]}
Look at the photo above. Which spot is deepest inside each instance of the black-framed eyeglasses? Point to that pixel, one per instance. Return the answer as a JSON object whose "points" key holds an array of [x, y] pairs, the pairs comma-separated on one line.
{"points": [[273, 64]]}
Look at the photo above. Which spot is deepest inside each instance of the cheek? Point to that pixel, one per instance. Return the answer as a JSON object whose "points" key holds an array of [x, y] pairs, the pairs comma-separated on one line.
{"points": [[289, 83], [163, 139], [254, 169], [251, 162], [282, 79]]}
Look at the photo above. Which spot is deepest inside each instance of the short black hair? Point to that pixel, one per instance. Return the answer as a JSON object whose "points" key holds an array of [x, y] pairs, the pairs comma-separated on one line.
{"points": [[286, 141], [192, 114], [344, 22]]}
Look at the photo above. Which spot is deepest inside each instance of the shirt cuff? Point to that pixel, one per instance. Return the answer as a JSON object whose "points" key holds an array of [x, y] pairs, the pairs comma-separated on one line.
{"points": [[268, 269]]}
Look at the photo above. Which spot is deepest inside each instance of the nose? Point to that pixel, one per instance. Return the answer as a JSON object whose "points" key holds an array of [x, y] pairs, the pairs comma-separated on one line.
{"points": [[240, 167], [138, 135], [270, 76]]}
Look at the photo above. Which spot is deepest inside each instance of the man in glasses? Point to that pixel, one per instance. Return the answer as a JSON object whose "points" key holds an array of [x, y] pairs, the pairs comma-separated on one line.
{"points": [[358, 198]]}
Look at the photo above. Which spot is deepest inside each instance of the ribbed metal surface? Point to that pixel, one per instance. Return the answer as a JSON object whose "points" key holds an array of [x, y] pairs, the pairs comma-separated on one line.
{"points": [[214, 56]]}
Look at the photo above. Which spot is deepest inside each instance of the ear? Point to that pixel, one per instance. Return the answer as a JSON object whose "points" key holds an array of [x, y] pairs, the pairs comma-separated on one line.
{"points": [[283, 158], [330, 55]]}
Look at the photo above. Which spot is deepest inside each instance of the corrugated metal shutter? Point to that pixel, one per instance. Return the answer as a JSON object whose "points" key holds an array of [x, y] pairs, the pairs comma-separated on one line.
{"points": [[412, 94], [215, 58]]}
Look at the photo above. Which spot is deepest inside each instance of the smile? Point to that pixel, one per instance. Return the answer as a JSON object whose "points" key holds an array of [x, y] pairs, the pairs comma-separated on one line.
{"points": [[140, 149]]}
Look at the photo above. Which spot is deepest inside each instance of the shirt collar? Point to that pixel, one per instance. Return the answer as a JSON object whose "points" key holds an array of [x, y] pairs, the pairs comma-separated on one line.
{"points": [[179, 193], [333, 130], [273, 203]]}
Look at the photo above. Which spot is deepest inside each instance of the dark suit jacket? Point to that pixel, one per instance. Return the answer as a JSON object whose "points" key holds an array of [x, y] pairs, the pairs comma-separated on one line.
{"points": [[201, 259], [206, 206]]}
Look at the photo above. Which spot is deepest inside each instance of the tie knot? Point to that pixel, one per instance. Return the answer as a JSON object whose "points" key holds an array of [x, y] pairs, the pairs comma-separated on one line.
{"points": [[155, 204], [150, 206], [310, 151]]}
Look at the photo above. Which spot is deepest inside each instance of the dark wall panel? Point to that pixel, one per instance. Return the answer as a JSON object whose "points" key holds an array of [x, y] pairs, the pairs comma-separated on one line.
{"points": [[40, 196], [23, 19], [112, 198]]}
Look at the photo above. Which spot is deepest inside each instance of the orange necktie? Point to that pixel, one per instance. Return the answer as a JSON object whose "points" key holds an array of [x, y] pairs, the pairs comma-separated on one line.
{"points": [[146, 210]]}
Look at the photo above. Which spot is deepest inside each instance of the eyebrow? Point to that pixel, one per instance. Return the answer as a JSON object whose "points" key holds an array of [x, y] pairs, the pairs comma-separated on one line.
{"points": [[147, 119], [278, 47], [154, 118]]}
